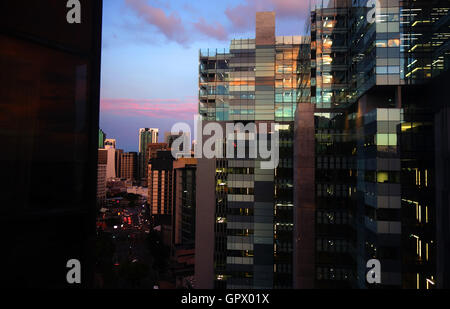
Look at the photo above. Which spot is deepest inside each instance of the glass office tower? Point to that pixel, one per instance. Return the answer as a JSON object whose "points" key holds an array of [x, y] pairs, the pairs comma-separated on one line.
{"points": [[325, 157], [245, 213], [426, 51], [376, 80], [425, 34], [50, 88], [399, 58], [380, 167], [146, 136]]}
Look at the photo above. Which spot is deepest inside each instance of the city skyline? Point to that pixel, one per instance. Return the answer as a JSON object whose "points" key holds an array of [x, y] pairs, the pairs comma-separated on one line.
{"points": [[348, 95]]}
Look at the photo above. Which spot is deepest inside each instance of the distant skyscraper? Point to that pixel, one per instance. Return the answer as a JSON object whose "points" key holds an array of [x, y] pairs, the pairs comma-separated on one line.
{"points": [[101, 176], [184, 202], [128, 165], [101, 139], [117, 163], [110, 142], [170, 137], [110, 146], [146, 136], [153, 148], [160, 183]]}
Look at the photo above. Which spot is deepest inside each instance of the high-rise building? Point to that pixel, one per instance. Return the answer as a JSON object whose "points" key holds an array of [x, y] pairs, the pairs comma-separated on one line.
{"points": [[425, 50], [50, 89], [170, 137], [153, 148], [325, 178], [111, 142], [146, 136], [101, 176], [374, 87], [117, 163], [160, 183], [154, 183], [128, 165], [244, 217], [101, 139], [110, 146], [397, 140], [184, 202]]}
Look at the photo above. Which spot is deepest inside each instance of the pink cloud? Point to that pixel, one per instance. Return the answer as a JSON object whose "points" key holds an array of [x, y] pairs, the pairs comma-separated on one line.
{"points": [[242, 16], [290, 8], [171, 26], [216, 31], [155, 108]]}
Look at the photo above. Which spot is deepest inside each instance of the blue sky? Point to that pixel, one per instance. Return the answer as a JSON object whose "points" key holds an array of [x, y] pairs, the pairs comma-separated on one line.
{"points": [[150, 56]]}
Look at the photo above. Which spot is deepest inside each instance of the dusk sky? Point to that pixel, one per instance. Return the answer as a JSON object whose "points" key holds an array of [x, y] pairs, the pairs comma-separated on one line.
{"points": [[150, 56]]}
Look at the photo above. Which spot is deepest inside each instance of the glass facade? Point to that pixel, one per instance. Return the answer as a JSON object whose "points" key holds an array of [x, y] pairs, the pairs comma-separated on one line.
{"points": [[425, 39], [253, 81], [146, 136], [374, 66], [335, 146]]}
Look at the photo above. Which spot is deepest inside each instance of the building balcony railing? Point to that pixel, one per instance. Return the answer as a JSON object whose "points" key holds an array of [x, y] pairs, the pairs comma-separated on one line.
{"points": [[213, 52]]}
